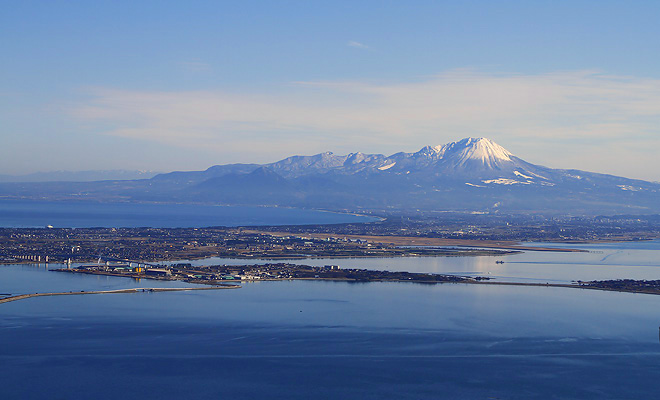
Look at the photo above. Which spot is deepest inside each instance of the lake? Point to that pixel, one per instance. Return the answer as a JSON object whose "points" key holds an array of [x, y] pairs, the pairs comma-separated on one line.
{"points": [[328, 340], [72, 214]]}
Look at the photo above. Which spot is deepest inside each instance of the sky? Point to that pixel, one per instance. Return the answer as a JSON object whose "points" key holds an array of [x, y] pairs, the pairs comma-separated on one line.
{"points": [[174, 85]]}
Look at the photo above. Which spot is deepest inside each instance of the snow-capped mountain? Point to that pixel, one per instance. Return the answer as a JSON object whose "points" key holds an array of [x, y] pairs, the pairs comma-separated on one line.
{"points": [[472, 159], [471, 175], [465, 157]]}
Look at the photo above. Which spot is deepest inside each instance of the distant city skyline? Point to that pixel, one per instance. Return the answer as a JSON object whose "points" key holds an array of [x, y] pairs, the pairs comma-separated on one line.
{"points": [[183, 86]]}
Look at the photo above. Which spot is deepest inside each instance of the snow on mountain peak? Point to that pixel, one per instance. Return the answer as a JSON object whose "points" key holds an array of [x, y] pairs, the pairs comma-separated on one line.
{"points": [[480, 149], [429, 152], [485, 150]]}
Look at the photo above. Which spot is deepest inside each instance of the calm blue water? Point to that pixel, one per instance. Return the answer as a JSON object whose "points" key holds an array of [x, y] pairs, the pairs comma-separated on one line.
{"points": [[329, 340], [68, 214]]}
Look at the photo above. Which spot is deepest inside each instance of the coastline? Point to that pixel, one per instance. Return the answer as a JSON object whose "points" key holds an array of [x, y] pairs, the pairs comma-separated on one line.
{"points": [[220, 286], [118, 291], [125, 202], [624, 286]]}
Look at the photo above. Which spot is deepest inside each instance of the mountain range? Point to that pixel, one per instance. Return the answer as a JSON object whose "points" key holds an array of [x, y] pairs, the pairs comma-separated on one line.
{"points": [[470, 175]]}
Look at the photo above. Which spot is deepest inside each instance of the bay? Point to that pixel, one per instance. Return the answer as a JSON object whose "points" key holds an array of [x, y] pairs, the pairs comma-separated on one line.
{"points": [[82, 214], [327, 340]]}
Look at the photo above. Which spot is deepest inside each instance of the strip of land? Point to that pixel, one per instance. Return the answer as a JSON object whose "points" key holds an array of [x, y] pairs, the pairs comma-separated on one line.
{"points": [[220, 274], [423, 241], [155, 244], [132, 290], [216, 276], [623, 285]]}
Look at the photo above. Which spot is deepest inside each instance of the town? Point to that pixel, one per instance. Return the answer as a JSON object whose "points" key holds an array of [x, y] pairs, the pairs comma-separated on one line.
{"points": [[494, 226], [69, 245], [219, 274]]}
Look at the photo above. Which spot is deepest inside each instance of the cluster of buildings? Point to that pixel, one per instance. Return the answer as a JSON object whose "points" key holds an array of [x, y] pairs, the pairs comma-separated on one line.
{"points": [[209, 274]]}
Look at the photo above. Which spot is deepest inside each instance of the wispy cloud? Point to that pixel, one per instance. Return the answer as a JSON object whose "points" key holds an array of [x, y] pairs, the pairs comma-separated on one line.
{"points": [[357, 45], [585, 113]]}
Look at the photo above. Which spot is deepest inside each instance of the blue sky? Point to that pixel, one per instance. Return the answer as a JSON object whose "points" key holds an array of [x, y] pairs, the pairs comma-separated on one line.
{"points": [[162, 85]]}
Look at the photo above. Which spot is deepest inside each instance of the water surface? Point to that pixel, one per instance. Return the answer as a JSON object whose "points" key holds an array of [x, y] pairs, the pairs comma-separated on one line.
{"points": [[328, 340], [72, 214]]}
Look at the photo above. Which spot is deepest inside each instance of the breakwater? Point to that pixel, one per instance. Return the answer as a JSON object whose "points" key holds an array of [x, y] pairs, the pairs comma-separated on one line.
{"points": [[131, 290]]}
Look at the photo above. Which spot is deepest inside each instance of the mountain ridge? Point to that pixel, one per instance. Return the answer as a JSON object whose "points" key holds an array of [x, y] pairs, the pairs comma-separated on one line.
{"points": [[469, 175]]}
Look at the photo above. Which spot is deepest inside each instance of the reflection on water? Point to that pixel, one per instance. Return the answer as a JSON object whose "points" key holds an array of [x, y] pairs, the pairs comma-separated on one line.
{"points": [[313, 339]]}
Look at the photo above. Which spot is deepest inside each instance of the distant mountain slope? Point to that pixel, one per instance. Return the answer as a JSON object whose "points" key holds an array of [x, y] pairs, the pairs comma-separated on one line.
{"points": [[471, 175]]}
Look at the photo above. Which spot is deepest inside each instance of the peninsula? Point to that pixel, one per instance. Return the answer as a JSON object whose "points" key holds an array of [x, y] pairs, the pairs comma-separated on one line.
{"points": [[222, 274]]}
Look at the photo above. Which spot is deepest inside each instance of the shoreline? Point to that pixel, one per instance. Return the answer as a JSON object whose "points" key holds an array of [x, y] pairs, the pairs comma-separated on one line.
{"points": [[503, 252], [589, 285], [127, 201], [466, 282], [117, 291], [217, 286]]}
